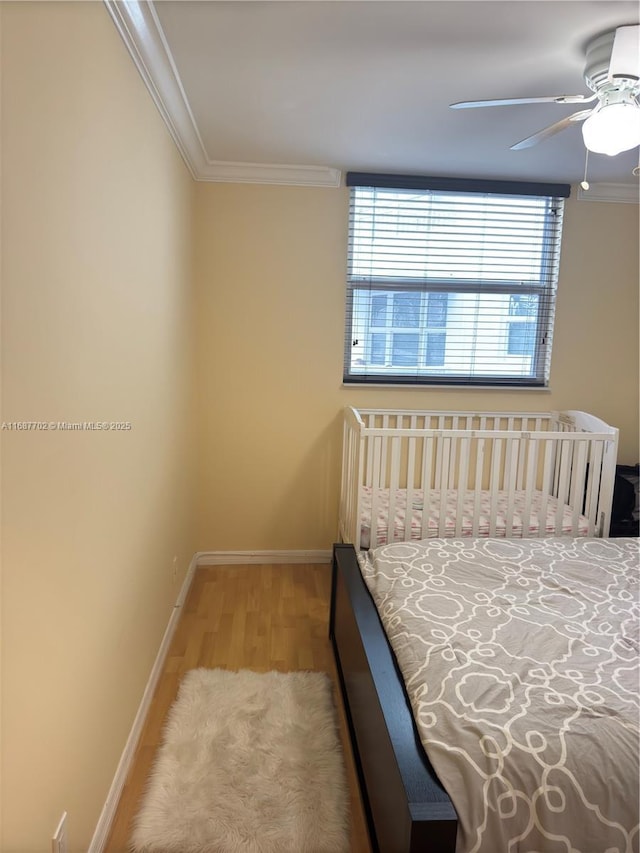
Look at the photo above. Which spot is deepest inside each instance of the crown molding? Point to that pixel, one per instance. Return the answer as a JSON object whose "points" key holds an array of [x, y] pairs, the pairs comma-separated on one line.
{"points": [[142, 34], [141, 31], [621, 193], [269, 173]]}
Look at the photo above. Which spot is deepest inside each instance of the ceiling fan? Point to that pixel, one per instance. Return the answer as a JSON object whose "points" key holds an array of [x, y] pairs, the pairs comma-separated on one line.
{"points": [[612, 72]]}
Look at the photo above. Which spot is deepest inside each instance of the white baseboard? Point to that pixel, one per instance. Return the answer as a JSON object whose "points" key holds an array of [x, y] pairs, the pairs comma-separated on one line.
{"points": [[105, 821], [226, 558]]}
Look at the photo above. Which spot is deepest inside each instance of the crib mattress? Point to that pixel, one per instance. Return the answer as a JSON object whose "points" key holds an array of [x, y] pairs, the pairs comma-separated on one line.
{"points": [[451, 506]]}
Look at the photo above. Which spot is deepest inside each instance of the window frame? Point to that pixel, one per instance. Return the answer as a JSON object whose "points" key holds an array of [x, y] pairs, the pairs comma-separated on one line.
{"points": [[545, 289]]}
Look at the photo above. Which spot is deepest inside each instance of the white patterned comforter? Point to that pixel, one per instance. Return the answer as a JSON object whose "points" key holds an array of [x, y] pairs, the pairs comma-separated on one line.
{"points": [[520, 659], [537, 515]]}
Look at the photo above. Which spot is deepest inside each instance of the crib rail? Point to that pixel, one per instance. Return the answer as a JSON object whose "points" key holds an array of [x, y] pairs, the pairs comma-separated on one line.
{"points": [[475, 462]]}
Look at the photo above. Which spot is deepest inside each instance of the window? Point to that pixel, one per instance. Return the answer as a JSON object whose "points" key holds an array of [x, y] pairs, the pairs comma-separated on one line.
{"points": [[451, 282], [397, 334]]}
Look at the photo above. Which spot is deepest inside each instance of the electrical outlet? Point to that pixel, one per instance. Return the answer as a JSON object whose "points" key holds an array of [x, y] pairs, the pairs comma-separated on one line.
{"points": [[175, 568], [59, 840]]}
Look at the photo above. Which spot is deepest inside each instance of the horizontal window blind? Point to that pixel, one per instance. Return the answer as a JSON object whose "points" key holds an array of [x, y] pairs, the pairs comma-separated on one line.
{"points": [[451, 287]]}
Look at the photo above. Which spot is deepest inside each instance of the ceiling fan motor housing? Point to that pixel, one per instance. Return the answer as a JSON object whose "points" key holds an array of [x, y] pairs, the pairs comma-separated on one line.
{"points": [[598, 57], [598, 60]]}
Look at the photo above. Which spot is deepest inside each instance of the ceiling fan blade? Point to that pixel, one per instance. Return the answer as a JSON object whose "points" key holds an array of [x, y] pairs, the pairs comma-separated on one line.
{"points": [[506, 102], [625, 54], [551, 130]]}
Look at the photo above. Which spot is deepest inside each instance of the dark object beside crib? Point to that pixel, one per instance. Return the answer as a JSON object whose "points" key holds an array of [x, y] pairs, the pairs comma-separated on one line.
{"points": [[625, 511], [407, 808]]}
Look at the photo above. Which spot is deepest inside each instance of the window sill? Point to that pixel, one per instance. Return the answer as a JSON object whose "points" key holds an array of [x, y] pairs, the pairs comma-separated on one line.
{"points": [[417, 387]]}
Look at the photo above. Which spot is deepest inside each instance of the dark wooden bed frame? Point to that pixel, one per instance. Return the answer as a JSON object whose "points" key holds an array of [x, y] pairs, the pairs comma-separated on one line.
{"points": [[407, 808]]}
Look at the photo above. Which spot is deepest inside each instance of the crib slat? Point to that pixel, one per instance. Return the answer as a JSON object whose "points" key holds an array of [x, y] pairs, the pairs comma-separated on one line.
{"points": [[375, 492], [577, 484], [454, 450], [462, 483], [506, 474], [359, 450], [607, 483], [438, 479], [530, 481], [411, 457], [370, 451], [345, 490], [353, 440], [347, 468], [521, 460], [512, 451], [393, 491], [444, 451], [496, 453], [547, 473], [562, 494], [352, 488], [556, 472], [427, 461], [593, 488], [383, 460], [411, 478], [477, 492]]}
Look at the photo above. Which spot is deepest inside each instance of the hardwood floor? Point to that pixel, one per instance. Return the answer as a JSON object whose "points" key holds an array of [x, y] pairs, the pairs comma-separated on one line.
{"points": [[244, 617]]}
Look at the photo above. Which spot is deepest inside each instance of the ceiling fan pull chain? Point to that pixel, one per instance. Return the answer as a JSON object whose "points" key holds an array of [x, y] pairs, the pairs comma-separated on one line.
{"points": [[585, 183]]}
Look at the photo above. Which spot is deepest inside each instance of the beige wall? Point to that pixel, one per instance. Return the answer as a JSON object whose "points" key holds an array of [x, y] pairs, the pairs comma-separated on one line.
{"points": [[1, 418], [270, 265], [96, 325], [100, 220]]}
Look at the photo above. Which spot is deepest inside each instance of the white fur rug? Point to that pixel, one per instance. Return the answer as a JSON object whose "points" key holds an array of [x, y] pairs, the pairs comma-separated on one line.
{"points": [[250, 763]]}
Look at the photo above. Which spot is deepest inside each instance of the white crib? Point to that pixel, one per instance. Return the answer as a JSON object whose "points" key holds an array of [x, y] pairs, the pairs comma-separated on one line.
{"points": [[414, 475]]}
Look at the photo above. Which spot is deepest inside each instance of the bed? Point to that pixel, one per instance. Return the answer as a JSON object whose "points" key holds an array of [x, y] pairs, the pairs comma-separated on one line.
{"points": [[414, 475], [433, 725]]}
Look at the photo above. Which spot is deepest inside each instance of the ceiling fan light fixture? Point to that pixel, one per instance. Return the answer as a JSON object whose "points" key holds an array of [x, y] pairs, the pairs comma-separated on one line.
{"points": [[612, 128]]}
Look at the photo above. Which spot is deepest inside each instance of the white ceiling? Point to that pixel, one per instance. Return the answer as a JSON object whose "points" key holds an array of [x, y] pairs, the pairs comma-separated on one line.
{"points": [[250, 87]]}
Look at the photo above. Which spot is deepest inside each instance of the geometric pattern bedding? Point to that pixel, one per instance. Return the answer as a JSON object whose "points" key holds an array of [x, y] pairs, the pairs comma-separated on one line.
{"points": [[533, 527], [520, 659]]}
